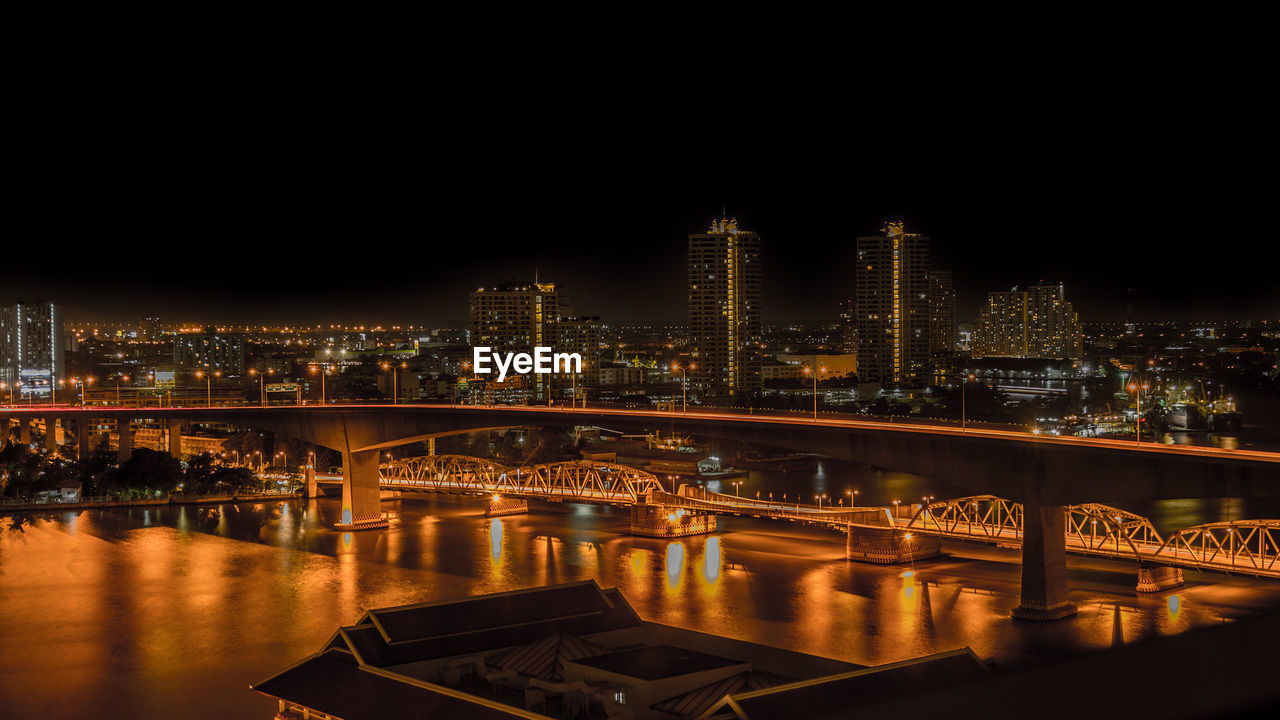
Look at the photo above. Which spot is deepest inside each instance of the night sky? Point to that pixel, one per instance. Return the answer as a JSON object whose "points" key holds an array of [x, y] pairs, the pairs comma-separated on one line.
{"points": [[254, 217]]}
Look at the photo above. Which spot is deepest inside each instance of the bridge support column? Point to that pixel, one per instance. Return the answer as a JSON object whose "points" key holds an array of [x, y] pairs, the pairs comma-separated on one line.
{"points": [[51, 434], [174, 433], [499, 505], [361, 501], [1154, 578], [1044, 563], [82, 439], [887, 546], [24, 431], [309, 488], [431, 447], [124, 430], [666, 521]]}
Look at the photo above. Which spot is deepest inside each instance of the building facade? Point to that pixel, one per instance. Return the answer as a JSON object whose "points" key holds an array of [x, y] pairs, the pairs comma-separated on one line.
{"points": [[943, 330], [517, 317], [581, 335], [892, 306], [1037, 322], [209, 351], [725, 327], [31, 349]]}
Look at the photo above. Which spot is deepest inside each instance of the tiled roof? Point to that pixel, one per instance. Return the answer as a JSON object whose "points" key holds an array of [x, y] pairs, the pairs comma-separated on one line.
{"points": [[545, 658], [695, 702]]}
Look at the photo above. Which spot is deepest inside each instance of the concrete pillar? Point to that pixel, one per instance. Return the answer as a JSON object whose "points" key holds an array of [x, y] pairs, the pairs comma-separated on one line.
{"points": [[361, 501], [310, 488], [51, 434], [24, 431], [83, 449], [175, 439], [124, 428], [1044, 563], [1154, 578]]}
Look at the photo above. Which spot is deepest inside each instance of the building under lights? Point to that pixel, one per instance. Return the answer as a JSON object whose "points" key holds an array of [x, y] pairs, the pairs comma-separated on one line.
{"points": [[1037, 322], [31, 348], [893, 309], [725, 329], [210, 351], [517, 317]]}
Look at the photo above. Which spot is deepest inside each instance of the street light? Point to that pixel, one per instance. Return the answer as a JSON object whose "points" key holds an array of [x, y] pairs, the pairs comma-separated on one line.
{"points": [[262, 386], [963, 408], [208, 384], [815, 388], [323, 399], [1137, 420], [120, 378], [735, 489], [395, 380], [684, 383]]}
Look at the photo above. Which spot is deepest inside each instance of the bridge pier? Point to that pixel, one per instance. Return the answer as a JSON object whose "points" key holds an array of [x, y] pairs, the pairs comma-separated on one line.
{"points": [[665, 521], [1154, 578], [361, 496], [51, 434], [888, 546], [174, 437], [124, 430], [24, 431], [1044, 563], [82, 439], [499, 506], [310, 489]]}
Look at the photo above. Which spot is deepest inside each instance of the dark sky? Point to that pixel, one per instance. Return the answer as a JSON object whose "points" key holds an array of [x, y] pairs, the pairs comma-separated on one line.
{"points": [[253, 210]]}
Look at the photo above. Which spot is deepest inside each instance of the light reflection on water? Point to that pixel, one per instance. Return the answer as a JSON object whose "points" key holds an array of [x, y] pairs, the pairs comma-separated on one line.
{"points": [[208, 599]]}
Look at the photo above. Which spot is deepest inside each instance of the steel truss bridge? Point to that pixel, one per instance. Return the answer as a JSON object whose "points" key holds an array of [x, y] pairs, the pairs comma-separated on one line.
{"points": [[572, 481], [1247, 547]]}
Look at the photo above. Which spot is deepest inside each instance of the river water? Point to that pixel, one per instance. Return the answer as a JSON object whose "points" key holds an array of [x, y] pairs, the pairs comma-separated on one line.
{"points": [[174, 611]]}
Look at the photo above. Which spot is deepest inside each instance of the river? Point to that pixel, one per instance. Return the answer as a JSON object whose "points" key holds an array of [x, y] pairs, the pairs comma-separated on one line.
{"points": [[175, 611]]}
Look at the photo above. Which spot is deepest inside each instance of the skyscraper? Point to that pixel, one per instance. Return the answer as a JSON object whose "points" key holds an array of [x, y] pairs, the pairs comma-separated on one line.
{"points": [[1037, 322], [31, 347], [942, 314], [891, 295], [516, 317], [724, 308], [581, 335]]}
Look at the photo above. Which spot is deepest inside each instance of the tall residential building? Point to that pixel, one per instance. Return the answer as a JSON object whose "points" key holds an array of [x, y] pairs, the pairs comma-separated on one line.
{"points": [[1037, 322], [31, 347], [942, 314], [516, 317], [725, 329], [848, 326], [210, 351], [581, 335], [891, 295]]}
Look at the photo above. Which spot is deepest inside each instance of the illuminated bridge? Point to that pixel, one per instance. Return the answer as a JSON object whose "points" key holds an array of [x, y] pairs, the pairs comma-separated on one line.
{"points": [[1044, 474]]}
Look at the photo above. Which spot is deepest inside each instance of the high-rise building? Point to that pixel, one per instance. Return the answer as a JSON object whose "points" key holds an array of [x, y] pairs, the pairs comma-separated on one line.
{"points": [[725, 329], [942, 314], [516, 317], [210, 351], [1037, 322], [31, 347], [581, 335], [891, 295], [848, 326]]}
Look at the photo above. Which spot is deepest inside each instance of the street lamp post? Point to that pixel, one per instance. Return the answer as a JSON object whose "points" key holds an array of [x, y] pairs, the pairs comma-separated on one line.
{"points": [[124, 378], [208, 384], [684, 384], [262, 384], [807, 369], [395, 381], [1137, 420], [323, 398], [963, 409], [735, 489]]}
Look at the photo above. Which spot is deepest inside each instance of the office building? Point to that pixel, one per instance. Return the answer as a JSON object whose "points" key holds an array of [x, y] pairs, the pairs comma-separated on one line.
{"points": [[891, 295], [516, 317], [724, 309], [31, 348], [1037, 322], [209, 351], [581, 335], [942, 314]]}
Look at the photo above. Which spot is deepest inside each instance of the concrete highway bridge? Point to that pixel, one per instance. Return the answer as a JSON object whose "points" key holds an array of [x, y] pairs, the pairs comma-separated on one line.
{"points": [[1044, 475]]}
